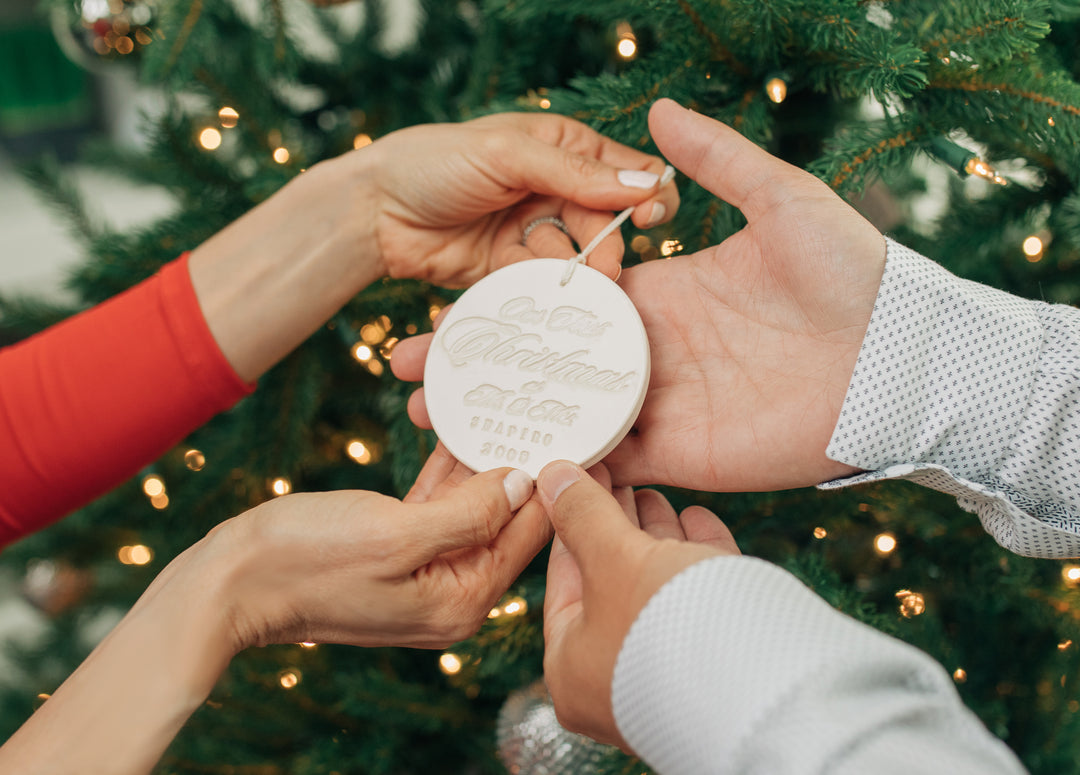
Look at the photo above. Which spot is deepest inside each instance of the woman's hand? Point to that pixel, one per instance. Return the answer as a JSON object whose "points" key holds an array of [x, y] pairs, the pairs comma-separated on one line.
{"points": [[452, 200], [343, 567], [369, 570]]}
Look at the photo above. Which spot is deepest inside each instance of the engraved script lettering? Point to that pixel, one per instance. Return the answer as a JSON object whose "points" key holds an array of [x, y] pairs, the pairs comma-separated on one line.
{"points": [[482, 339]]}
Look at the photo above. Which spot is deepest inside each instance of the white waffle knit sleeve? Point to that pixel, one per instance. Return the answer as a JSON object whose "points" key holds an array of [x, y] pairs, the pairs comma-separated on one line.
{"points": [[974, 392], [736, 667]]}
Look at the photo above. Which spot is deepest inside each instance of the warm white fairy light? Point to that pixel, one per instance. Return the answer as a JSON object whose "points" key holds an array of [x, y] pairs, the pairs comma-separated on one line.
{"points": [[820, 532], [195, 460], [210, 138], [282, 155], [1070, 574], [289, 679], [152, 485], [911, 603], [670, 247], [959, 675], [137, 554], [1033, 248], [281, 486], [627, 45], [515, 606], [884, 544], [359, 451], [228, 117], [361, 141], [361, 352], [776, 88], [450, 663]]}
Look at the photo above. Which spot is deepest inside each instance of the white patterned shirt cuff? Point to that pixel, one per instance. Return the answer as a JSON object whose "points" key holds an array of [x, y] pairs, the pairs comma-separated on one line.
{"points": [[974, 392]]}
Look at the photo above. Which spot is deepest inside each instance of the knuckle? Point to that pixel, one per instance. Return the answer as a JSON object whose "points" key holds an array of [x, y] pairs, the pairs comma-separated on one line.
{"points": [[579, 166]]}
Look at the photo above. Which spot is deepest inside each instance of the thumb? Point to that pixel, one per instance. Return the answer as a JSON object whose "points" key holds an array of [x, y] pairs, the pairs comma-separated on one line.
{"points": [[472, 514], [721, 160], [586, 516]]}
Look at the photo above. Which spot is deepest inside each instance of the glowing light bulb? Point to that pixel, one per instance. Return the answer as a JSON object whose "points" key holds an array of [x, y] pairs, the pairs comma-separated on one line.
{"points": [[884, 544], [1064, 644], [515, 606], [160, 502], [289, 679], [361, 352], [627, 48], [959, 675], [434, 310], [372, 333], [776, 88], [361, 141], [820, 532], [228, 117], [307, 644], [194, 460], [545, 103], [1050, 121], [1071, 575], [359, 452], [450, 663], [281, 155], [670, 247], [979, 168], [210, 138], [281, 486], [140, 554], [494, 613], [153, 485], [1033, 248], [911, 603]]}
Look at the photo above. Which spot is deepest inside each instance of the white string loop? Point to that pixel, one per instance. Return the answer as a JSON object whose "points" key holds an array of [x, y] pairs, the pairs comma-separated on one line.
{"points": [[619, 220]]}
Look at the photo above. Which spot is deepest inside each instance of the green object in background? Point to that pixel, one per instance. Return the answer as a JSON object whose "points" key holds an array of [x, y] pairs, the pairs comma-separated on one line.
{"points": [[40, 88]]}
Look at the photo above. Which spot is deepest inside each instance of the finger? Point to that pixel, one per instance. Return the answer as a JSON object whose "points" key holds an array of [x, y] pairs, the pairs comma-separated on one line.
{"points": [[625, 498], [584, 224], [723, 161], [441, 471], [546, 240], [585, 515], [549, 170], [657, 517], [564, 586], [600, 473], [409, 357], [518, 543], [417, 410], [704, 527], [471, 515]]}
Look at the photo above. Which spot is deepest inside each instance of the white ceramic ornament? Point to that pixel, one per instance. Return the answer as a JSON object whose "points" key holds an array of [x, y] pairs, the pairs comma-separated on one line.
{"points": [[525, 370]]}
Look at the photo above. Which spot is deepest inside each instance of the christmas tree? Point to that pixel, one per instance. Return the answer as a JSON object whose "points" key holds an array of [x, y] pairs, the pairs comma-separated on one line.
{"points": [[953, 125]]}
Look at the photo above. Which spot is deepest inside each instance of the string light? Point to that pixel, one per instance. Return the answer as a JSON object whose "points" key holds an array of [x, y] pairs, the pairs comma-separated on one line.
{"points": [[964, 161], [1033, 248], [820, 532], [289, 678], [152, 485], [911, 603], [228, 117], [884, 544], [194, 460], [210, 139], [434, 310], [670, 247], [982, 169], [372, 333], [361, 352], [361, 141], [494, 613], [138, 554], [959, 675], [545, 103], [1050, 121], [450, 663], [515, 606], [359, 452], [1064, 644], [627, 45], [281, 486], [307, 644], [281, 155], [1070, 574], [776, 88], [411, 329]]}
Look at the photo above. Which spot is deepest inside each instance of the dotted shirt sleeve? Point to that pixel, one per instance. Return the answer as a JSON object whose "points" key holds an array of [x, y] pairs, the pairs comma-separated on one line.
{"points": [[974, 392], [735, 668]]}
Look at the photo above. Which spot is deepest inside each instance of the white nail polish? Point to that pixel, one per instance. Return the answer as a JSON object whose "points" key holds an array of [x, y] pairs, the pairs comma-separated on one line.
{"points": [[638, 178], [518, 486], [657, 213]]}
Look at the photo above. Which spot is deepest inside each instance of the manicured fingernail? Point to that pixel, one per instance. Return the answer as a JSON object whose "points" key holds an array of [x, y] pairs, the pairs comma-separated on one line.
{"points": [[657, 213], [638, 178], [668, 176], [518, 486], [556, 478]]}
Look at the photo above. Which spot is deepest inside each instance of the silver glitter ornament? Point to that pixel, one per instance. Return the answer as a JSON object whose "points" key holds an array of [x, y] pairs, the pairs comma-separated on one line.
{"points": [[531, 741]]}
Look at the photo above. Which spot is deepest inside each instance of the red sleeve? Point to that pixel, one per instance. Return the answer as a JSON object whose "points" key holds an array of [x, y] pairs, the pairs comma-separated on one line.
{"points": [[87, 403]]}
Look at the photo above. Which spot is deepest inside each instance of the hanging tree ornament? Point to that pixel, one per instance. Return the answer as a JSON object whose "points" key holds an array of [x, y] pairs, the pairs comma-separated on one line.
{"points": [[531, 741], [92, 33], [541, 360]]}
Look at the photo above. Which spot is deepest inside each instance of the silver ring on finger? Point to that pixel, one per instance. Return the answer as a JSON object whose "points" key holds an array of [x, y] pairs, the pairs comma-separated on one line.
{"points": [[554, 220]]}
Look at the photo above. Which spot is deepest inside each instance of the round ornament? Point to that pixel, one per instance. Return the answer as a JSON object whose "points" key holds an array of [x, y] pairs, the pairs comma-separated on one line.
{"points": [[525, 369], [532, 742]]}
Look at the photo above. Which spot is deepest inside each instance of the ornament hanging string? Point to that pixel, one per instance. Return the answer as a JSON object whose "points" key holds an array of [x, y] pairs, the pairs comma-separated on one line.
{"points": [[583, 256]]}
